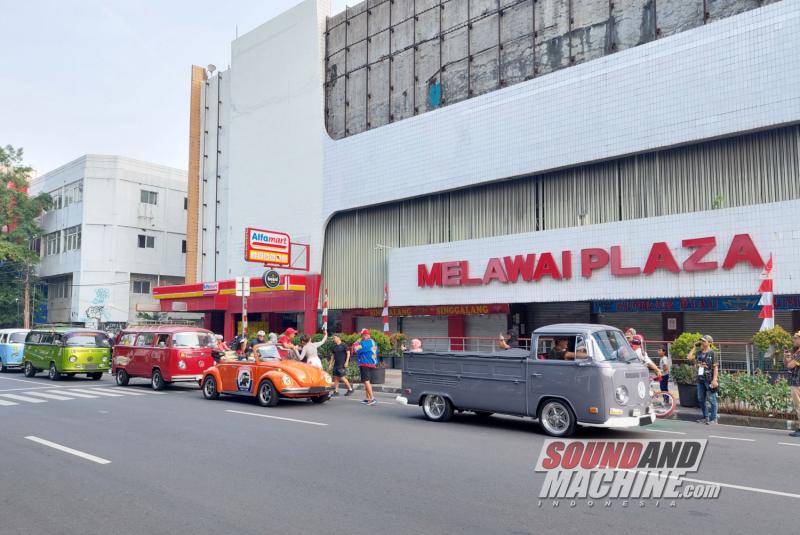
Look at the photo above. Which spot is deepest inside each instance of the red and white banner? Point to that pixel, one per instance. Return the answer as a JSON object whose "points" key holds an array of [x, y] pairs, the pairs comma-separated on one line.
{"points": [[385, 312], [767, 297], [325, 311]]}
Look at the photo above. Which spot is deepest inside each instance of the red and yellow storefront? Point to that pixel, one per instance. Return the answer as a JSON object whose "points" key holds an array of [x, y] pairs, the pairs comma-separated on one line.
{"points": [[269, 307]]}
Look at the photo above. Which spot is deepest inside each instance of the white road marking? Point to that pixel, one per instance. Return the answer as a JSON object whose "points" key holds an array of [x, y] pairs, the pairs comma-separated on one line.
{"points": [[22, 380], [93, 391], [22, 398], [276, 417], [665, 431], [4, 403], [118, 391], [72, 393], [732, 438], [788, 444], [48, 396], [87, 456], [717, 483]]}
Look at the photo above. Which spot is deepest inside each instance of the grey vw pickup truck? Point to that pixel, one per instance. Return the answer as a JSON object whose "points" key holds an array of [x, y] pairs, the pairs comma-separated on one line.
{"points": [[574, 374]]}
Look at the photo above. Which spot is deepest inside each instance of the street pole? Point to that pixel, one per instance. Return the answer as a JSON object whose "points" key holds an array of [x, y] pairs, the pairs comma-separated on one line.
{"points": [[244, 316], [26, 320]]}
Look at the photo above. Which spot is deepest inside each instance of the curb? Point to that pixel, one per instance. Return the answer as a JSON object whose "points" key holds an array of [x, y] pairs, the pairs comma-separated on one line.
{"points": [[378, 388], [742, 421]]}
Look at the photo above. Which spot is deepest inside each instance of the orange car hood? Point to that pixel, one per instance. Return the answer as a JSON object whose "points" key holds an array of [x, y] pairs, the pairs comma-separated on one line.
{"points": [[303, 374]]}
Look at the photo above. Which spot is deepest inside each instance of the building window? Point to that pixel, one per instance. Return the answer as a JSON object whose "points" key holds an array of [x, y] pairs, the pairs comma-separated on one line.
{"points": [[72, 238], [183, 246], [146, 242], [149, 197], [52, 243], [141, 287], [59, 289], [57, 200], [73, 193], [186, 203]]}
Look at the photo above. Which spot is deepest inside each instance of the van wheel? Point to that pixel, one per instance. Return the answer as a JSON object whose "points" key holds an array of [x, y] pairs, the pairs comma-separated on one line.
{"points": [[437, 408], [556, 418], [210, 388], [157, 380], [96, 376], [52, 373], [122, 377], [29, 370], [267, 395]]}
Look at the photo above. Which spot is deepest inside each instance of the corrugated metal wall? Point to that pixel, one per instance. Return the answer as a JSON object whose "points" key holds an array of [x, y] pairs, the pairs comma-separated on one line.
{"points": [[752, 169]]}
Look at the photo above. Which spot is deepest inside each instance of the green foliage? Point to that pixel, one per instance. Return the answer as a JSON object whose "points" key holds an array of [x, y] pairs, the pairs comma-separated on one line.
{"points": [[776, 336], [683, 344], [717, 202], [754, 395], [683, 374]]}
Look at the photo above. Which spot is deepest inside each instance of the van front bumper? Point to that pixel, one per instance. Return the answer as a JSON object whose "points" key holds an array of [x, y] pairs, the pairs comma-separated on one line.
{"points": [[617, 422], [85, 368]]}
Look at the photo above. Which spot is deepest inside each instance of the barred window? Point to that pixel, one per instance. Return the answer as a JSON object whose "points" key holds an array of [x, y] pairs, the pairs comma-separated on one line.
{"points": [[52, 243], [72, 238], [141, 287], [149, 197]]}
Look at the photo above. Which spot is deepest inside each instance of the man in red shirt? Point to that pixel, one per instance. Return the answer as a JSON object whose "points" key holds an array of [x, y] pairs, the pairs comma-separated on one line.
{"points": [[286, 347]]}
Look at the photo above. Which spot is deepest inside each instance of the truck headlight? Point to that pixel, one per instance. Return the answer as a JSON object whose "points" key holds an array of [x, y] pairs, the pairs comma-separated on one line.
{"points": [[104, 359], [621, 393], [286, 380], [73, 358]]}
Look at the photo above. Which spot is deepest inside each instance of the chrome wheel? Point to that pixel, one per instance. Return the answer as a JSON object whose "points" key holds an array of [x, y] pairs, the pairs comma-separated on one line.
{"points": [[556, 418], [267, 395], [437, 408], [52, 373], [157, 381], [30, 371], [210, 388]]}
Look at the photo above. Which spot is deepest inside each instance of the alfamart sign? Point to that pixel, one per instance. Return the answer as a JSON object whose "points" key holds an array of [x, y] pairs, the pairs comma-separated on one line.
{"points": [[695, 255]]}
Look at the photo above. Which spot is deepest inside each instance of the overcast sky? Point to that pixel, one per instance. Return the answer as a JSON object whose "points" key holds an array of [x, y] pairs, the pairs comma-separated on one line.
{"points": [[112, 76]]}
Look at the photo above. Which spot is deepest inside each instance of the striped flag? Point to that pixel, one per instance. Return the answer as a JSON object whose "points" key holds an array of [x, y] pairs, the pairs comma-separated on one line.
{"points": [[385, 313], [767, 298], [325, 311]]}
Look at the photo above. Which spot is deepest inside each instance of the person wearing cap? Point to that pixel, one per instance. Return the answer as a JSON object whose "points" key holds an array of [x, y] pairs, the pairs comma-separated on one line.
{"points": [[367, 352], [261, 338], [791, 359], [286, 346], [643, 357], [707, 377]]}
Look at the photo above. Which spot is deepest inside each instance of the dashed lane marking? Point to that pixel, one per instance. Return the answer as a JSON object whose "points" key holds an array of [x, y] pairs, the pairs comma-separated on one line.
{"points": [[117, 391], [732, 438], [4, 403], [72, 393], [65, 449], [276, 417], [94, 391], [17, 397], [49, 396]]}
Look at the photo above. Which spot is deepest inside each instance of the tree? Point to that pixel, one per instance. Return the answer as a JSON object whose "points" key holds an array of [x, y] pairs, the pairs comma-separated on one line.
{"points": [[19, 226]]}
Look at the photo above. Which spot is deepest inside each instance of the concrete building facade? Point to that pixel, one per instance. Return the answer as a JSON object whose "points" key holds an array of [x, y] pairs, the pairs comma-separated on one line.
{"points": [[658, 115], [117, 229]]}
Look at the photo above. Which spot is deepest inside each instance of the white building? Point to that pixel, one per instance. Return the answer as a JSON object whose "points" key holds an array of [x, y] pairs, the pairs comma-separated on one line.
{"points": [[117, 229], [402, 135]]}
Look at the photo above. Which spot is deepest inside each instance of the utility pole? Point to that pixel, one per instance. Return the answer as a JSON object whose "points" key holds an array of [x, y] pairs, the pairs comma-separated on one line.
{"points": [[243, 291], [26, 320]]}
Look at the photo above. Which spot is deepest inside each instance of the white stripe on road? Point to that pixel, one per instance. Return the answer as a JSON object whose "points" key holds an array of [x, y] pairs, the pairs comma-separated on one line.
{"points": [[276, 417], [4, 403], [94, 391], [717, 483], [665, 431], [118, 391], [22, 398], [72, 393], [21, 380], [48, 396], [732, 438], [87, 456], [788, 444]]}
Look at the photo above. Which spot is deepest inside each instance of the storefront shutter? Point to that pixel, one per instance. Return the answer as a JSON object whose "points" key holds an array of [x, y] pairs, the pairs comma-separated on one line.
{"points": [[541, 314], [430, 327], [647, 324]]}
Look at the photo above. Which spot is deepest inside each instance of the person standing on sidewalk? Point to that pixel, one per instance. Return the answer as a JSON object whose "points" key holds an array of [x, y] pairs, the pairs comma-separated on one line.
{"points": [[707, 377], [367, 351], [791, 358], [340, 360], [664, 364]]}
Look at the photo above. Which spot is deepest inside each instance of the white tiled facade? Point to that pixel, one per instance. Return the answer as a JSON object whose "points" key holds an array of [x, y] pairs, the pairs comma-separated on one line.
{"points": [[112, 216], [772, 227]]}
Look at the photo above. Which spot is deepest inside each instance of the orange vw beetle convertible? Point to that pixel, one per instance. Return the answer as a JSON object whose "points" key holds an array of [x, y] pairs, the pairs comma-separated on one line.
{"points": [[267, 378]]}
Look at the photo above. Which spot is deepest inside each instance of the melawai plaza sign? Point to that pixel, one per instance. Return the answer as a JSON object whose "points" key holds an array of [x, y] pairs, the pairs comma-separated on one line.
{"points": [[713, 253]]}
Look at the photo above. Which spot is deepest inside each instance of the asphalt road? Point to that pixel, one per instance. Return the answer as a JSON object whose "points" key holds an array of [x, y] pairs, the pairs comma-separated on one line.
{"points": [[182, 464]]}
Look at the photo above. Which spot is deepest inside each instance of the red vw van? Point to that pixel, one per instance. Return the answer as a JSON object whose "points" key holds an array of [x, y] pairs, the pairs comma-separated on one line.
{"points": [[162, 353]]}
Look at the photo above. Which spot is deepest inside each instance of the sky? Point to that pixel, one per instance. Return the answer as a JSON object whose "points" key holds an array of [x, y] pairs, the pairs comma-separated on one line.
{"points": [[112, 76]]}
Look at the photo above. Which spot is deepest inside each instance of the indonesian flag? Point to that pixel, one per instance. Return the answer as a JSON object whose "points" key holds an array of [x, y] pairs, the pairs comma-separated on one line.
{"points": [[766, 302], [385, 313], [325, 311]]}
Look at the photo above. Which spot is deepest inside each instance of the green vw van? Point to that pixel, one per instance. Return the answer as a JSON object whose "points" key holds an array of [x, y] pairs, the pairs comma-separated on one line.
{"points": [[66, 350]]}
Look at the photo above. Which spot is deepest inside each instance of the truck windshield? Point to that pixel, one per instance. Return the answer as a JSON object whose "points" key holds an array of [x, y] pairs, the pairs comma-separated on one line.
{"points": [[17, 338], [193, 340], [87, 340], [613, 346]]}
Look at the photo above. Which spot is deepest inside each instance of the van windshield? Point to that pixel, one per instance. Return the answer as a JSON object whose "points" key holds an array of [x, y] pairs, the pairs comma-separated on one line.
{"points": [[87, 340], [612, 346], [193, 340], [17, 338]]}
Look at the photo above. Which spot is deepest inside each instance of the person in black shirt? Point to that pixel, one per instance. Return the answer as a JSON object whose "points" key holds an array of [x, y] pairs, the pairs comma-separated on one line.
{"points": [[340, 359], [707, 377]]}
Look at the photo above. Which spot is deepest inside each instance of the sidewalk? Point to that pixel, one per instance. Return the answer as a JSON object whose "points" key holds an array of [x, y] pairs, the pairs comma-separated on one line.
{"points": [[391, 386]]}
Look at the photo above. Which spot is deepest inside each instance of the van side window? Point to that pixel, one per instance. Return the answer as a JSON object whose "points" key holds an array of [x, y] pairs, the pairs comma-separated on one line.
{"points": [[3, 338], [145, 340], [32, 338], [162, 340], [127, 339], [46, 338], [56, 339], [558, 347]]}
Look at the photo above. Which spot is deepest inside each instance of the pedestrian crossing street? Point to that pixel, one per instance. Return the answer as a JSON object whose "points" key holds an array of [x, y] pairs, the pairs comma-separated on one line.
{"points": [[44, 395]]}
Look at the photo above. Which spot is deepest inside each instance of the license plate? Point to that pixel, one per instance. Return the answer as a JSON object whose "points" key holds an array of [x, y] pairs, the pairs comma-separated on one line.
{"points": [[90, 367], [637, 412]]}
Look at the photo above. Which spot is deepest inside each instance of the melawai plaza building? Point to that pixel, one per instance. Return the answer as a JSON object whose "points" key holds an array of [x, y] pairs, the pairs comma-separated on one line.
{"points": [[506, 164]]}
